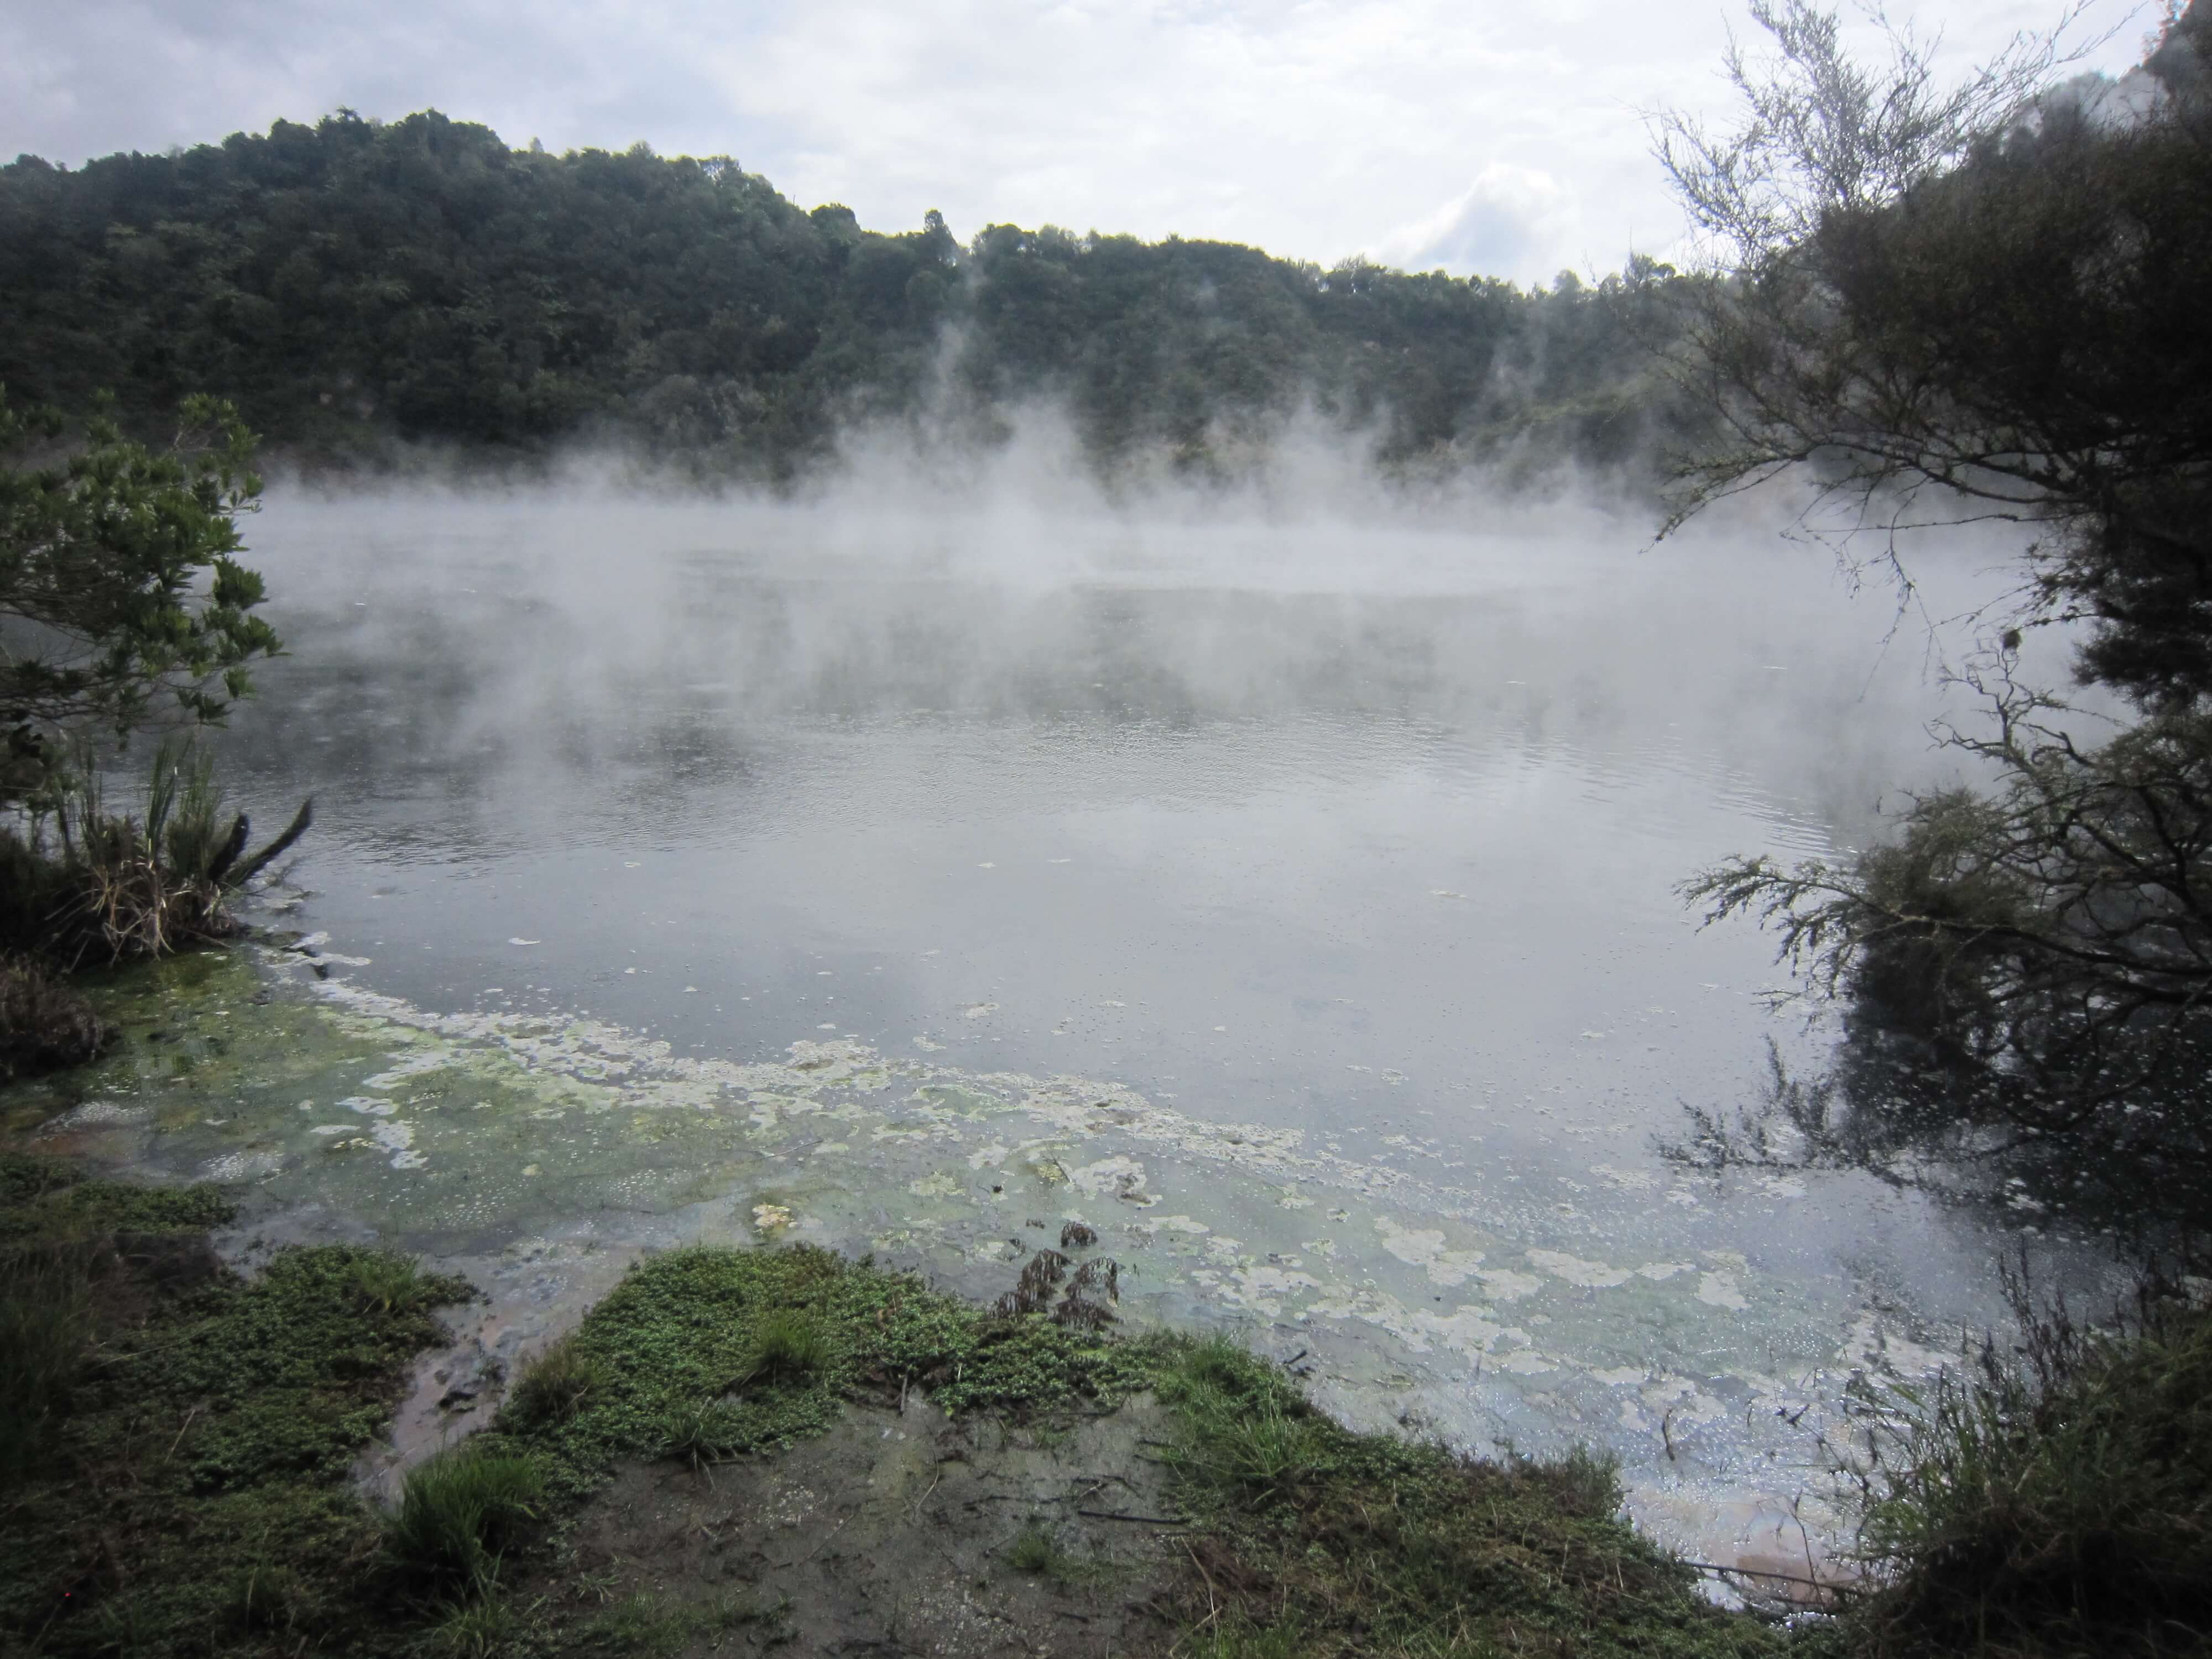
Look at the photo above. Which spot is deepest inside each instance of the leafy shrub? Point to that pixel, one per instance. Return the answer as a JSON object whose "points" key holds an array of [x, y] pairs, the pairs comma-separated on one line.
{"points": [[43, 1024]]}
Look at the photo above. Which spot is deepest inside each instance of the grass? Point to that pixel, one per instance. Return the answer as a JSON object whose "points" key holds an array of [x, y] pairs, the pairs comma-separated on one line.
{"points": [[797, 1332], [555, 1384], [179, 1439], [701, 1432], [2058, 1501], [457, 1513], [476, 1628], [46, 1324], [787, 1347], [178, 1451], [1036, 1553], [381, 1282], [654, 1627], [1317, 1539], [52, 1199]]}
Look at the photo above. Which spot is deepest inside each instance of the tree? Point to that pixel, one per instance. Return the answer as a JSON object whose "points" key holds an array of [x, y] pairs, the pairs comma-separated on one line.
{"points": [[121, 602], [1989, 301], [1986, 300]]}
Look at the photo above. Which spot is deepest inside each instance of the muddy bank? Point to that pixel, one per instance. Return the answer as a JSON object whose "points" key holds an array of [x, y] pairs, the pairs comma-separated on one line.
{"points": [[907, 1530]]}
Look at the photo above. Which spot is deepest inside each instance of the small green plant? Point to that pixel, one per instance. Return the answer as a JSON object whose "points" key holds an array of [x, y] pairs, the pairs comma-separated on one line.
{"points": [[383, 1282], [705, 1431], [787, 1347], [555, 1385], [1034, 1553], [650, 1626], [476, 1629], [1237, 1638], [1586, 1480], [266, 1597], [457, 1513]]}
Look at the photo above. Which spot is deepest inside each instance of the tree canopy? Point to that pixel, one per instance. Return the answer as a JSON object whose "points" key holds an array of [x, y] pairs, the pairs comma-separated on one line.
{"points": [[353, 285], [1990, 301]]}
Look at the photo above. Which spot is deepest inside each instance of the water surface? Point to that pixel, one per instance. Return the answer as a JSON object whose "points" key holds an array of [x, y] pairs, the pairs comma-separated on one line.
{"points": [[1294, 904]]}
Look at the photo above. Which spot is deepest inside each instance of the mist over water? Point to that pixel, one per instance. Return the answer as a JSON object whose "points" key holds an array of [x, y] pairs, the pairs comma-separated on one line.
{"points": [[1303, 815], [1407, 795]]}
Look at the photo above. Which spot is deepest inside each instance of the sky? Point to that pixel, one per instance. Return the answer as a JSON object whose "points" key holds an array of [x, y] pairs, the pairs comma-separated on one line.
{"points": [[1482, 138]]}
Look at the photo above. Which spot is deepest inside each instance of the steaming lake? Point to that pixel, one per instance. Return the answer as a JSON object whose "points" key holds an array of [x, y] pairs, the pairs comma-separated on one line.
{"points": [[1293, 903]]}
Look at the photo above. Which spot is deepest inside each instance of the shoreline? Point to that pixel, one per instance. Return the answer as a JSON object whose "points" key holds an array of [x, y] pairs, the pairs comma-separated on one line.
{"points": [[1393, 1337], [947, 1457]]}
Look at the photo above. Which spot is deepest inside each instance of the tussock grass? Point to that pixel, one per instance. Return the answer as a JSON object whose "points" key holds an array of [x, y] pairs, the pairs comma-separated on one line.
{"points": [[80, 881], [787, 1347], [46, 1324], [1034, 1553], [476, 1629], [555, 1385], [382, 1281], [460, 1511], [268, 1596], [701, 1432], [2057, 1500]]}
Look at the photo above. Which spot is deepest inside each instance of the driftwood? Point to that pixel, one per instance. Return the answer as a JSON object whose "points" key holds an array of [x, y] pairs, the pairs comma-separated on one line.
{"points": [[276, 850], [234, 844]]}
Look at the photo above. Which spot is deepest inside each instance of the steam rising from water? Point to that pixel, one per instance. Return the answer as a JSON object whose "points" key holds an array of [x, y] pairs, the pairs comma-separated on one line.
{"points": [[1344, 818]]}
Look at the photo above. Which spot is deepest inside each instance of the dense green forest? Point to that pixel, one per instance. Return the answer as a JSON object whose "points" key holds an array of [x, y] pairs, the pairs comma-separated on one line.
{"points": [[357, 287]]}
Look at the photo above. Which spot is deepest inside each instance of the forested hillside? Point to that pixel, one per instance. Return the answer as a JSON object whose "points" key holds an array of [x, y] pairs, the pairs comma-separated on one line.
{"points": [[357, 287]]}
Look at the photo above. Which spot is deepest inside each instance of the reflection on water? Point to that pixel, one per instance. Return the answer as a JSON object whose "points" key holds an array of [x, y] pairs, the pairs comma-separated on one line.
{"points": [[1297, 909]]}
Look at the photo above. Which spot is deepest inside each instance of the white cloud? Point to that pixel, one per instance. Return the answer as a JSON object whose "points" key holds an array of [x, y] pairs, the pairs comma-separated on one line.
{"points": [[1476, 135], [1506, 223]]}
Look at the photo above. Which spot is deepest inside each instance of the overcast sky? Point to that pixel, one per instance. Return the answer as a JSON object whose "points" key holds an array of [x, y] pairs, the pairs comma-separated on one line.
{"points": [[1479, 136]]}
